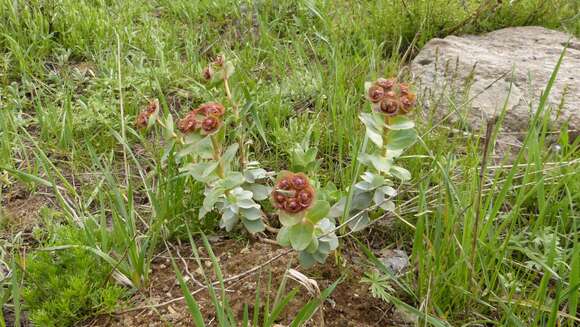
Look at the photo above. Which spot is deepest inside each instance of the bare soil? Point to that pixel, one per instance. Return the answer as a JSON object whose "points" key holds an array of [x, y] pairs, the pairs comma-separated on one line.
{"points": [[351, 304]]}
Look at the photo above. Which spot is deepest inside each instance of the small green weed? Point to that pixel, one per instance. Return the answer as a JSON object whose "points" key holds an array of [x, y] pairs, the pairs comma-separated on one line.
{"points": [[63, 287]]}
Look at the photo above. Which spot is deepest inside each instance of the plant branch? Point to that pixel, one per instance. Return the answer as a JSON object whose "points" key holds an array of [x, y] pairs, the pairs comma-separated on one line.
{"points": [[173, 134], [240, 126], [217, 155]]}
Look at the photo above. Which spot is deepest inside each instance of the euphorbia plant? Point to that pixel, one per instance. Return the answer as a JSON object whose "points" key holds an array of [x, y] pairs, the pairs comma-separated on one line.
{"points": [[304, 218], [235, 189], [232, 188], [388, 127]]}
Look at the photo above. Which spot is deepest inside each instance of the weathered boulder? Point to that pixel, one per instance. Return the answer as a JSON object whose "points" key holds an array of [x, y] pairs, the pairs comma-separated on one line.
{"points": [[469, 78]]}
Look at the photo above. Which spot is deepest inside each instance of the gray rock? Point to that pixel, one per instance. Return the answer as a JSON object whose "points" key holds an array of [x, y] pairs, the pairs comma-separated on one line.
{"points": [[396, 260], [469, 77]]}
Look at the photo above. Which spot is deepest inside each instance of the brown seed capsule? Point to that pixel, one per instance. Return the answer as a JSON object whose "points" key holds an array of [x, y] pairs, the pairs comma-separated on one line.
{"points": [[278, 199], [390, 94], [142, 119], [207, 73], [407, 102], [375, 93], [291, 205], [389, 107], [152, 107], [293, 193], [219, 61], [284, 184], [404, 89], [189, 123], [299, 181], [210, 125], [212, 109], [386, 84], [305, 197]]}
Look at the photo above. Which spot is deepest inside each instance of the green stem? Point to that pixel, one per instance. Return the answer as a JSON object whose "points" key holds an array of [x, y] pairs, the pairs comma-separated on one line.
{"points": [[173, 134], [239, 125], [217, 155], [386, 135]]}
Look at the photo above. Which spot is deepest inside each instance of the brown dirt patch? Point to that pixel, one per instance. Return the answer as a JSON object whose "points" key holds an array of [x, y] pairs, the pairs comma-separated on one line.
{"points": [[20, 211], [351, 304]]}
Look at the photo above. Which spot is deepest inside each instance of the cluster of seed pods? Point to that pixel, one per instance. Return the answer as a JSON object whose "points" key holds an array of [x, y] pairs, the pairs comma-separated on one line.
{"points": [[143, 117], [205, 118], [391, 97], [293, 193], [209, 71]]}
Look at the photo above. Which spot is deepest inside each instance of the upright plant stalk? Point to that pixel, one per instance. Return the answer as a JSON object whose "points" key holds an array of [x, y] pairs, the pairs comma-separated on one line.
{"points": [[488, 132], [217, 150], [238, 121], [386, 135]]}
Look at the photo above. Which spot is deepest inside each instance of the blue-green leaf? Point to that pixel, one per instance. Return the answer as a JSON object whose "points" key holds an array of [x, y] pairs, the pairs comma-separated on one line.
{"points": [[301, 235], [318, 211]]}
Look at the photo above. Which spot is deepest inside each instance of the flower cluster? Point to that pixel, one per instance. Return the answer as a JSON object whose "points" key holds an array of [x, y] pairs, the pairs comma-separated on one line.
{"points": [[293, 193], [205, 118], [143, 117], [209, 71], [390, 97]]}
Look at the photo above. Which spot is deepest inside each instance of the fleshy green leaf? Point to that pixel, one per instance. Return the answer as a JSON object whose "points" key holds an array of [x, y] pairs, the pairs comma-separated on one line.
{"points": [[260, 192], [401, 173], [401, 139], [287, 219], [211, 198], [283, 237], [306, 260], [375, 179], [230, 153], [318, 211], [252, 175], [301, 235], [197, 146], [374, 125], [254, 226], [313, 246], [361, 200], [229, 220], [232, 180], [360, 222], [200, 171], [253, 213], [400, 122], [380, 163], [382, 194], [338, 208]]}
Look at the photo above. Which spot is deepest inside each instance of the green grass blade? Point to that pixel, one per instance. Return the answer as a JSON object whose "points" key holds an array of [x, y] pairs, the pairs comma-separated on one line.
{"points": [[189, 300], [306, 312]]}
